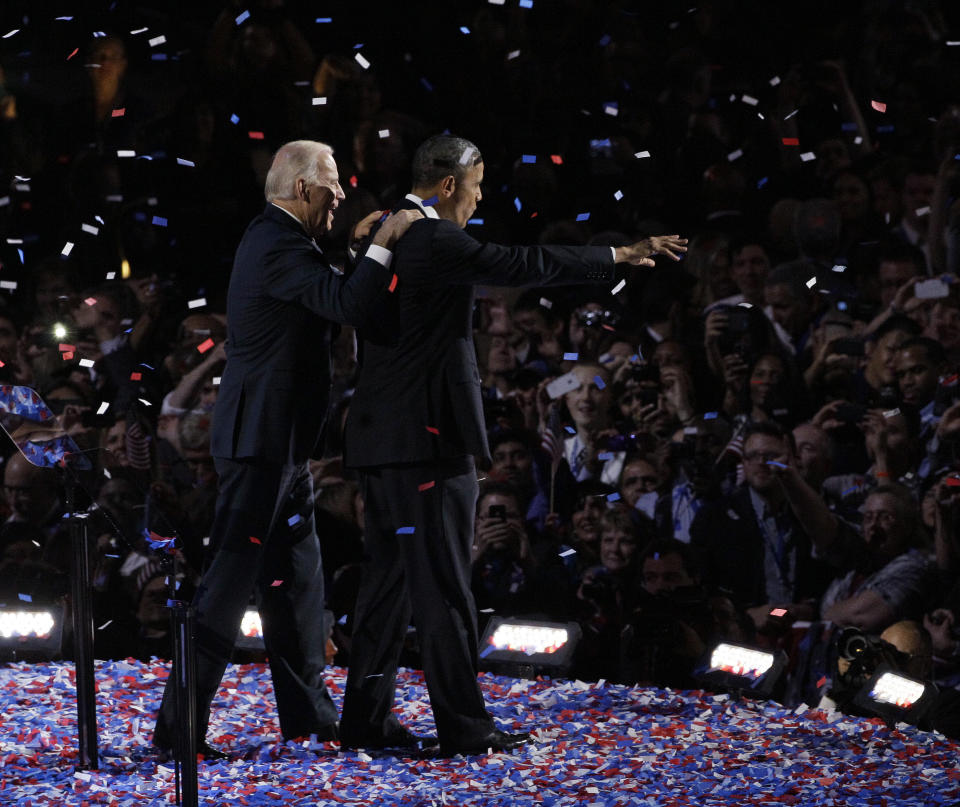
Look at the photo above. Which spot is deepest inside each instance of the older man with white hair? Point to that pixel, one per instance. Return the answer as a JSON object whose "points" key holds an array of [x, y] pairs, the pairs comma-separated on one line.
{"points": [[284, 304]]}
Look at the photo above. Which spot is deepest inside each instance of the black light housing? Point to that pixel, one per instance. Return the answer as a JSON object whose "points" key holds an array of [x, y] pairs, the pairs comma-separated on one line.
{"points": [[525, 647], [741, 669]]}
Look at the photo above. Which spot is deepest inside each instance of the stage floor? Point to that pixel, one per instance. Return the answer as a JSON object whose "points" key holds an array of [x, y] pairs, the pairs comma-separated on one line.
{"points": [[595, 745]]}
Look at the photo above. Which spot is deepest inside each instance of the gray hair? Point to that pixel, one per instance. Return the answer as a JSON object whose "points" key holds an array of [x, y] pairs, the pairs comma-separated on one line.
{"points": [[294, 160], [442, 156]]}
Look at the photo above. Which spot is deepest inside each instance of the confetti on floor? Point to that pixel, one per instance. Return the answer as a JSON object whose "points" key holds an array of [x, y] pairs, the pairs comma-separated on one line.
{"points": [[594, 745]]}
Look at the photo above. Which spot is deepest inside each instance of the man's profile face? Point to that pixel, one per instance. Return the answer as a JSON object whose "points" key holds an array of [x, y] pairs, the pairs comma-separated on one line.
{"points": [[324, 197], [466, 196]]}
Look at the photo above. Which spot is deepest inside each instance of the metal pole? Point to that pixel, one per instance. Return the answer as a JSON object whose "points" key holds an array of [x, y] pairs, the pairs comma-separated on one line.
{"points": [[185, 680], [82, 632]]}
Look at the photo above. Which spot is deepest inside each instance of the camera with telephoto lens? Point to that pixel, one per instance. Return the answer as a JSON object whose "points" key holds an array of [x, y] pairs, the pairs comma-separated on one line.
{"points": [[864, 654]]}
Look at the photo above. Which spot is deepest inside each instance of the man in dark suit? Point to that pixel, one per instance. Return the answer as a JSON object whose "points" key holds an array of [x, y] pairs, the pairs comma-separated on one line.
{"points": [[283, 302], [414, 426]]}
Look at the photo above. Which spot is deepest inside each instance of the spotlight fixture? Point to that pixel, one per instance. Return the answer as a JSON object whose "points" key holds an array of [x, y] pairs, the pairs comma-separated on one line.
{"points": [[741, 669], [524, 647]]}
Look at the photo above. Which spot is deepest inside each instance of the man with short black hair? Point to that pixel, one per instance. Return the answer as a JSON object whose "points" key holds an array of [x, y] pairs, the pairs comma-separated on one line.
{"points": [[415, 424]]}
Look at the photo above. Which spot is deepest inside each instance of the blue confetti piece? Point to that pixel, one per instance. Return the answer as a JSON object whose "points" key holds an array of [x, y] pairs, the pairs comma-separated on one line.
{"points": [[516, 203], [570, 429], [885, 129], [599, 382], [431, 201], [529, 158], [20, 253], [234, 119], [242, 18], [709, 415], [613, 497], [487, 651], [158, 57], [406, 531], [776, 464], [478, 222], [583, 216], [160, 221], [526, 3], [426, 84], [294, 519], [342, 620], [25, 597], [571, 356], [762, 181], [849, 126], [464, 30], [322, 20], [605, 455], [604, 40]]}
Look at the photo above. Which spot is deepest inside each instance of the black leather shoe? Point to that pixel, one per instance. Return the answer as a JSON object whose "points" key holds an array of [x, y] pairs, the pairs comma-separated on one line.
{"points": [[400, 738], [204, 750], [490, 743]]}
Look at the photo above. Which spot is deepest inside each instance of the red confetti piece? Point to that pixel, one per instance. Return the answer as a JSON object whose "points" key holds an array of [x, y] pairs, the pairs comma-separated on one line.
{"points": [[204, 346], [556, 159], [393, 283], [431, 483], [255, 135], [74, 53], [118, 113], [791, 141], [879, 106], [66, 348], [275, 583], [2, 364], [822, 681], [953, 482], [353, 181], [67, 356], [91, 301], [136, 376], [433, 430], [255, 541]]}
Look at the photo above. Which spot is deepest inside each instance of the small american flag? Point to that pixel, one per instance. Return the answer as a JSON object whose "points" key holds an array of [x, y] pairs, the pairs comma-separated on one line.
{"points": [[552, 437], [138, 445]]}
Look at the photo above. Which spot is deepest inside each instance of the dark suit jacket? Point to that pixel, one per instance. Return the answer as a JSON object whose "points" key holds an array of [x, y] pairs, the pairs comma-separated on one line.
{"points": [[282, 304], [732, 552], [418, 396]]}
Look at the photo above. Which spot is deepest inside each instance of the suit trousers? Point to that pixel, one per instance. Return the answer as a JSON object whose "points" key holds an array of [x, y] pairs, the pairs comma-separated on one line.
{"points": [[265, 540], [423, 574]]}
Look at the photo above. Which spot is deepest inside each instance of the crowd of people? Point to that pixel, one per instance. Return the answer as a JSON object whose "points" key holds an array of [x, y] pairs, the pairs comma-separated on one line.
{"points": [[749, 446]]}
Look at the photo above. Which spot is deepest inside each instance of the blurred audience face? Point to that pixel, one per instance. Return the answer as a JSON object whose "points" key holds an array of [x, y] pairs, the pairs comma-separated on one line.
{"points": [[757, 452], [501, 358], [881, 365], [893, 274], [662, 574], [886, 530], [8, 340], [513, 462], [115, 445], [588, 403], [944, 324], [749, 270], [916, 375], [791, 312], [768, 373], [31, 492], [586, 520], [618, 548], [813, 454], [852, 196], [511, 510], [639, 477], [671, 354], [917, 195]]}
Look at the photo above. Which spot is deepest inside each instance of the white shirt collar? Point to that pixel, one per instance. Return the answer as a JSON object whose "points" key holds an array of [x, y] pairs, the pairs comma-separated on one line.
{"points": [[289, 214], [428, 210]]}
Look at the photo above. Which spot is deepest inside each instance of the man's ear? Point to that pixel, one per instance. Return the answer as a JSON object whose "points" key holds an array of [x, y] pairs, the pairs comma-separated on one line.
{"points": [[448, 186]]}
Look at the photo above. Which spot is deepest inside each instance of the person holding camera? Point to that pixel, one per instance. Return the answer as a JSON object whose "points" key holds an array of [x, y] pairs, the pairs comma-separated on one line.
{"points": [[675, 619], [511, 574]]}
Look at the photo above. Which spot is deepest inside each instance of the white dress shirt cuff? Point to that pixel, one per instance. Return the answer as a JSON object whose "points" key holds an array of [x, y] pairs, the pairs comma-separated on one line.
{"points": [[613, 254], [381, 255]]}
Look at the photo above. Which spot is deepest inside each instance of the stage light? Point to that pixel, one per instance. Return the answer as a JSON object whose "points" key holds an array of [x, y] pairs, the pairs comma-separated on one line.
{"points": [[739, 668], [524, 647], [895, 697], [251, 631], [33, 632]]}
